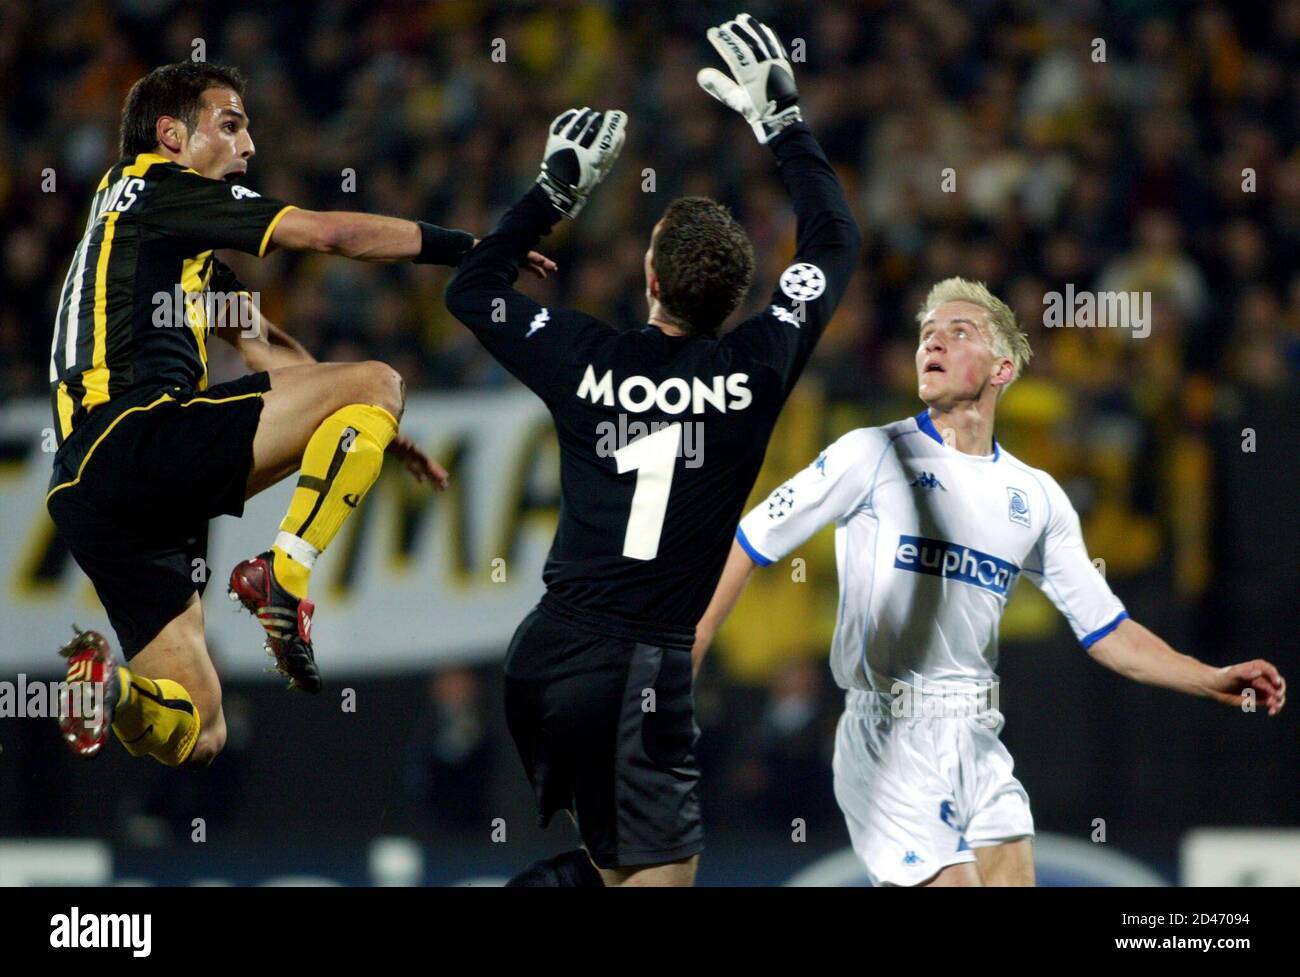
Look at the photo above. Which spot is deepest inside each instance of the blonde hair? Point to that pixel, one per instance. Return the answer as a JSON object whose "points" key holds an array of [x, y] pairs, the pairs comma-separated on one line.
{"points": [[1007, 339]]}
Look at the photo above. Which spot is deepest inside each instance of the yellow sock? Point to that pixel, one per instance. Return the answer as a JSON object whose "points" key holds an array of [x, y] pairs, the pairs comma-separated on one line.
{"points": [[156, 717], [342, 460]]}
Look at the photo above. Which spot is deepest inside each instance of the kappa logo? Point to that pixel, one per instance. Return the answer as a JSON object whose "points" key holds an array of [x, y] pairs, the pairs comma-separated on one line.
{"points": [[539, 322], [912, 858], [926, 480], [786, 316], [1018, 507], [820, 464], [803, 282], [948, 815]]}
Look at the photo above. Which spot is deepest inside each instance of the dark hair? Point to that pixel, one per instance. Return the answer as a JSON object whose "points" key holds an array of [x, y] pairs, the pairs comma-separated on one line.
{"points": [[704, 263], [171, 89]]}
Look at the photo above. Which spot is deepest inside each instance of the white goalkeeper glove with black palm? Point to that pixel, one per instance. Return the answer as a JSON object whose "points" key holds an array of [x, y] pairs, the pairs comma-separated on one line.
{"points": [[582, 147], [761, 87]]}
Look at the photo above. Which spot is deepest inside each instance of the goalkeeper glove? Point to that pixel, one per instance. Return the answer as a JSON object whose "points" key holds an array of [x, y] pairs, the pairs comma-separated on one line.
{"points": [[582, 147], [761, 87]]}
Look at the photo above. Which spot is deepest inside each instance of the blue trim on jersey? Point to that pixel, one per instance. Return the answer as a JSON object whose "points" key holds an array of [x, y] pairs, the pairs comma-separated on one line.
{"points": [[1088, 640], [927, 427], [748, 547]]}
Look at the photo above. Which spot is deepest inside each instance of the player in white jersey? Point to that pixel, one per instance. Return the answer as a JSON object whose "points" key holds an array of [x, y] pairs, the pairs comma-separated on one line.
{"points": [[935, 522]]}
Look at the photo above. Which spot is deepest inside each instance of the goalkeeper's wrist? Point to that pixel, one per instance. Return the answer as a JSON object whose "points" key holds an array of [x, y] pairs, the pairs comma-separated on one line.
{"points": [[441, 245], [780, 123], [564, 198]]}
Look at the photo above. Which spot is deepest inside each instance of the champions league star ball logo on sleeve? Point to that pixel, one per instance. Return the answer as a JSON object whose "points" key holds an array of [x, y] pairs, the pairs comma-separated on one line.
{"points": [[803, 282], [780, 502]]}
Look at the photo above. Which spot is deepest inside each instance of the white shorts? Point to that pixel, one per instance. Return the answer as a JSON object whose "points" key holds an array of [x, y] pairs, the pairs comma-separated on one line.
{"points": [[918, 794]]}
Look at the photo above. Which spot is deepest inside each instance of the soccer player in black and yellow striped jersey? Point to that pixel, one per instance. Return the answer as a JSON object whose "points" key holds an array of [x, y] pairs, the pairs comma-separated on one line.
{"points": [[149, 452]]}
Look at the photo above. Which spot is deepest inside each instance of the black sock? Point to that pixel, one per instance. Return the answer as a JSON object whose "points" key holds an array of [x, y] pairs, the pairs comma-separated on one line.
{"points": [[572, 870]]}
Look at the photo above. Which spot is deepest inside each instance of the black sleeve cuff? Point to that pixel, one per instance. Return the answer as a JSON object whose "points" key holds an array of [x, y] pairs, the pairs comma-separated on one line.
{"points": [[441, 246], [537, 208], [787, 134]]}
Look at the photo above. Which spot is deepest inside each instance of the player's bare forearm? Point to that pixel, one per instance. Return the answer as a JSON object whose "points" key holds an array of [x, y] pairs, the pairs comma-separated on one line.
{"points": [[364, 237], [1137, 653], [367, 237], [735, 574]]}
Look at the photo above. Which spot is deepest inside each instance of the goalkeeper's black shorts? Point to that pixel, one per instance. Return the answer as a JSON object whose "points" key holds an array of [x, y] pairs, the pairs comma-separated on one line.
{"points": [[605, 725]]}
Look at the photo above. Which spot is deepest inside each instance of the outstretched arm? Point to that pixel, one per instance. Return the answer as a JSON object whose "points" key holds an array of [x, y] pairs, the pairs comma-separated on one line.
{"points": [[1111, 637], [1137, 653], [222, 215], [373, 237]]}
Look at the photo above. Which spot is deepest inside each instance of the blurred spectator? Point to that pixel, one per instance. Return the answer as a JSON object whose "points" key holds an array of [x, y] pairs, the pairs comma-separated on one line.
{"points": [[782, 771], [450, 753]]}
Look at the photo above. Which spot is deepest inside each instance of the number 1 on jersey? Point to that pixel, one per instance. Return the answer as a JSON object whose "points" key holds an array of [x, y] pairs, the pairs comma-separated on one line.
{"points": [[654, 459]]}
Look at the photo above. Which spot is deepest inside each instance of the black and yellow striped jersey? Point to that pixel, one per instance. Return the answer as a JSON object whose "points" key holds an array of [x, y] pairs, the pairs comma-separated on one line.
{"points": [[146, 253]]}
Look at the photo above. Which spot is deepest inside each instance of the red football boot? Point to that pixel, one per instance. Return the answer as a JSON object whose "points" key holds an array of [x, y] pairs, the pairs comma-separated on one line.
{"points": [[86, 709], [287, 620]]}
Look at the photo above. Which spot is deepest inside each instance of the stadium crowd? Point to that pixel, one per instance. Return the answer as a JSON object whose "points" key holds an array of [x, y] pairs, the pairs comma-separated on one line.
{"points": [[1105, 146]]}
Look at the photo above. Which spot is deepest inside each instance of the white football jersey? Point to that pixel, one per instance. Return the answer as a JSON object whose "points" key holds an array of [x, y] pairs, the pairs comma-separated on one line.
{"points": [[929, 542]]}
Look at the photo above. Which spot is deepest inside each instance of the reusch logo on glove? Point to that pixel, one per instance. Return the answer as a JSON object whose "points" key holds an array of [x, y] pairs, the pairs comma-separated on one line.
{"points": [[739, 50]]}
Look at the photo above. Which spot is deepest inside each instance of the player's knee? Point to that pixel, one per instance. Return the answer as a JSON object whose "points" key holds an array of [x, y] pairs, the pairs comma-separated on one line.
{"points": [[211, 741], [383, 386]]}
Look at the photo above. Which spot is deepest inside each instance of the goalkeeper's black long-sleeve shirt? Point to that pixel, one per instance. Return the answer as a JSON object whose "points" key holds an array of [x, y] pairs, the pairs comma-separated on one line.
{"points": [[646, 524]]}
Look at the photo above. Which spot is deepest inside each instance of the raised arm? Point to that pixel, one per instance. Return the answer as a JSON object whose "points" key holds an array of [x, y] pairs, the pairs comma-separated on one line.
{"points": [[529, 340], [761, 88]]}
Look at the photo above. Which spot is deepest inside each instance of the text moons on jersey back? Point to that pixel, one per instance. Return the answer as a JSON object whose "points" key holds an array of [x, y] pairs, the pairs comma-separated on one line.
{"points": [[674, 395]]}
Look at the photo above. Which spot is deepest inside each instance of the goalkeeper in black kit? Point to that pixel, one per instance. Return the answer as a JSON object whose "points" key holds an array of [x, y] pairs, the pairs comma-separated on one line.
{"points": [[598, 676]]}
